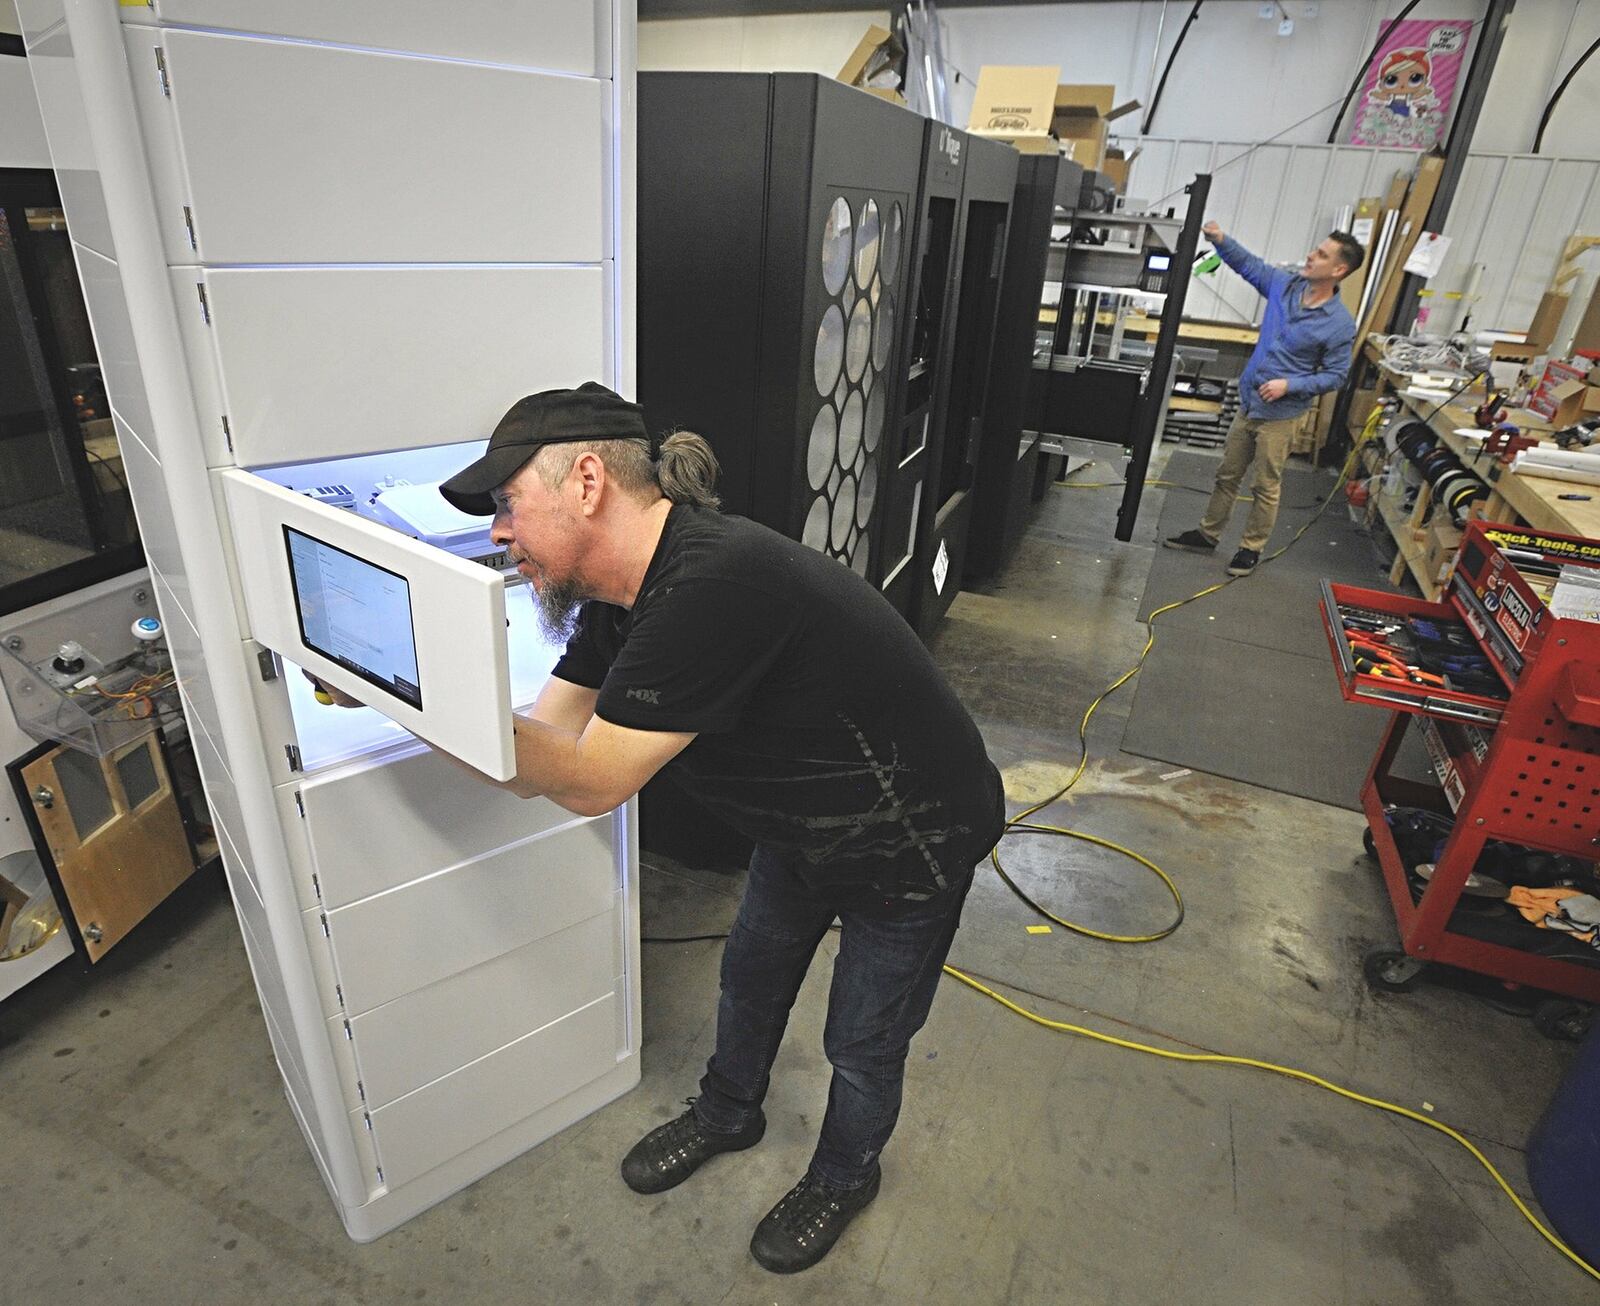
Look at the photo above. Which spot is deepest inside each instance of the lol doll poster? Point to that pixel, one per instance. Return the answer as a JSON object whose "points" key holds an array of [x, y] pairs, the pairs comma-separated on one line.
{"points": [[1411, 84]]}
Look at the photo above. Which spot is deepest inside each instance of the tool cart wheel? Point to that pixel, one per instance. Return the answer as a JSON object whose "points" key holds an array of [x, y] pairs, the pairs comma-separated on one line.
{"points": [[1369, 843], [1388, 970], [1565, 1019]]}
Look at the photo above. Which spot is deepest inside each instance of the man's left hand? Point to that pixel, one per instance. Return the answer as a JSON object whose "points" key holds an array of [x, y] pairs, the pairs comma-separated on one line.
{"points": [[1271, 390]]}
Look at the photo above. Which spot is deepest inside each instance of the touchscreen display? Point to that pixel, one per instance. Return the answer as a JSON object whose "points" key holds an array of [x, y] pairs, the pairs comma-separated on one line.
{"points": [[355, 613]]}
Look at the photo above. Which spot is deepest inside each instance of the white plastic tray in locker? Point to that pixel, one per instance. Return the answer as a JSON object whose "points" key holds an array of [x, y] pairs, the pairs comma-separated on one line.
{"points": [[427, 1128], [285, 152], [406, 1044], [408, 938], [315, 363], [564, 35]]}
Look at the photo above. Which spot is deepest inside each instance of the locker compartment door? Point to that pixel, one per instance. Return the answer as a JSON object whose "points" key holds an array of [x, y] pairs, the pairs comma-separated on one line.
{"points": [[460, 697], [286, 353], [570, 36], [295, 152]]}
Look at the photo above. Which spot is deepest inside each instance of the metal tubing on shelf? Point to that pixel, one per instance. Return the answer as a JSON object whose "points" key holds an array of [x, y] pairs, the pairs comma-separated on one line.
{"points": [[112, 119]]}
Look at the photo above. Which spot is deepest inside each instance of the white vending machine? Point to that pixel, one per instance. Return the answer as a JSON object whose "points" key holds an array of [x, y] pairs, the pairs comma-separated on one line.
{"points": [[324, 247]]}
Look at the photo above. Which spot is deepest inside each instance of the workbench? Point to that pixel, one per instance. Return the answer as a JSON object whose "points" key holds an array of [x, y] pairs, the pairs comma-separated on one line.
{"points": [[1424, 547]]}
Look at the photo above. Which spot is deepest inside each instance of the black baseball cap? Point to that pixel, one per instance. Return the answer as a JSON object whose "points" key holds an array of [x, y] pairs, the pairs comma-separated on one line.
{"points": [[591, 412]]}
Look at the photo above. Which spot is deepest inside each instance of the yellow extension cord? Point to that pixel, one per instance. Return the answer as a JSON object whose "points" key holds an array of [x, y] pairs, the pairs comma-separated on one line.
{"points": [[1021, 823]]}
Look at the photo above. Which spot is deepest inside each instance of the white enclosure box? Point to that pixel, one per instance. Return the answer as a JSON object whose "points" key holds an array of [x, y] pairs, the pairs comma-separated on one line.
{"points": [[324, 247]]}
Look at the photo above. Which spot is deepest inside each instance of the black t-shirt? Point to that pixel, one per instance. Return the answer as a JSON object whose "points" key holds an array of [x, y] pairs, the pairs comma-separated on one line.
{"points": [[823, 724]]}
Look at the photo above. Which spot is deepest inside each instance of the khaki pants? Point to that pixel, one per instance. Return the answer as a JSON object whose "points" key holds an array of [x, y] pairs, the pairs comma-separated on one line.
{"points": [[1266, 443]]}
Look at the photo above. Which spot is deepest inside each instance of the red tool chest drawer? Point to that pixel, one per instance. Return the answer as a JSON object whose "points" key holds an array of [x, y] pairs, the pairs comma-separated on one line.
{"points": [[1381, 677]]}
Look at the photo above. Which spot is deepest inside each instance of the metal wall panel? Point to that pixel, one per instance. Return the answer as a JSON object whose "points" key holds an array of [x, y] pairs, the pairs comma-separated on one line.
{"points": [[1512, 213]]}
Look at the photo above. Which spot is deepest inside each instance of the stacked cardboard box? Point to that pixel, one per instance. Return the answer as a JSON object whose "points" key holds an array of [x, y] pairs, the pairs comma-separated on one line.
{"points": [[1029, 108]]}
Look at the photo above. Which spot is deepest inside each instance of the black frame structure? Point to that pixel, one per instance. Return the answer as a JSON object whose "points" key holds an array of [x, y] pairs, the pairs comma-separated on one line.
{"points": [[955, 435], [1008, 460], [20, 190]]}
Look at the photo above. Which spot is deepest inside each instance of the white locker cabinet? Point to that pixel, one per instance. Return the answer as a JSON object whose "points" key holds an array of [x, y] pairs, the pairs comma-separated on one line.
{"points": [[572, 36], [440, 353], [326, 238], [414, 160]]}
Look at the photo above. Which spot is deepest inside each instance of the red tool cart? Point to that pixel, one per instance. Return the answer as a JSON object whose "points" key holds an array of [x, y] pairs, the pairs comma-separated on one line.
{"points": [[1516, 753]]}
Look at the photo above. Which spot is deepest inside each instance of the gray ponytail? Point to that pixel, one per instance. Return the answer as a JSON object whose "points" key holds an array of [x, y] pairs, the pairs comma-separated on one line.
{"points": [[686, 470]]}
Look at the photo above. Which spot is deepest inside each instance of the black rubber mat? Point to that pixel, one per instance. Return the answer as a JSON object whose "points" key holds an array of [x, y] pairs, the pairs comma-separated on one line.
{"points": [[1241, 683]]}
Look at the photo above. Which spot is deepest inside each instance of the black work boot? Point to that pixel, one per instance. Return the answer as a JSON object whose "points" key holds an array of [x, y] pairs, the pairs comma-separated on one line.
{"points": [[801, 1229], [670, 1153], [1192, 541]]}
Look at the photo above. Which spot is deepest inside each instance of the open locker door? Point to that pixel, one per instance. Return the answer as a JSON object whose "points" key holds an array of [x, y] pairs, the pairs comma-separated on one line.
{"points": [[404, 627]]}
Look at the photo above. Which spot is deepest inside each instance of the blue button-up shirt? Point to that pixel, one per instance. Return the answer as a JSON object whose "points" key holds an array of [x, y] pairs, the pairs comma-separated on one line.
{"points": [[1307, 347]]}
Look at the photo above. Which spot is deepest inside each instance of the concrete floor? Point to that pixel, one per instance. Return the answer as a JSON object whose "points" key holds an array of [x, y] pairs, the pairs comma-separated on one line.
{"points": [[150, 1155]]}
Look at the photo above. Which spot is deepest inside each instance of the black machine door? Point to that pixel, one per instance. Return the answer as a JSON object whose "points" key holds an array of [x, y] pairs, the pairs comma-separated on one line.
{"points": [[909, 469], [953, 462]]}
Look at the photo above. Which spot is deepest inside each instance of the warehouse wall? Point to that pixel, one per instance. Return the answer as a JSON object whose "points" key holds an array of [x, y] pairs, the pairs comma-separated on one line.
{"points": [[1235, 79]]}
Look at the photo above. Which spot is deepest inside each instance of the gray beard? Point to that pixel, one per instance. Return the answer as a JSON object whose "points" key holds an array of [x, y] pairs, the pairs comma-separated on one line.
{"points": [[557, 605]]}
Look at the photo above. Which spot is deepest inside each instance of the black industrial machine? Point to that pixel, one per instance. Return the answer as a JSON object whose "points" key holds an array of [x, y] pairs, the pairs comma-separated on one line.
{"points": [[773, 223], [961, 395], [775, 214], [1008, 458]]}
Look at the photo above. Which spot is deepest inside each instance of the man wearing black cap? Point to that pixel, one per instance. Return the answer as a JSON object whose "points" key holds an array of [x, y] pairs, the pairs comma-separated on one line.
{"points": [[787, 694]]}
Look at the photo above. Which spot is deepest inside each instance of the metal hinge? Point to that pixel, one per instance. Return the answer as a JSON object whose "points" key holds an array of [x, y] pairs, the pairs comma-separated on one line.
{"points": [[328, 934], [338, 992], [367, 1116], [205, 304], [161, 68], [227, 431], [380, 1173], [188, 221], [267, 665], [292, 752], [316, 884], [361, 1090], [348, 1032]]}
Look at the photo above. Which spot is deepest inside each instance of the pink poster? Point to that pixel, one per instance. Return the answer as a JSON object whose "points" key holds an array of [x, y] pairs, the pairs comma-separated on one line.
{"points": [[1410, 85]]}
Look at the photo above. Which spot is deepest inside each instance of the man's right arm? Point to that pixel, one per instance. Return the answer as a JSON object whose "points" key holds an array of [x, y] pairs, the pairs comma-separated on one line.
{"points": [[1257, 271], [565, 705]]}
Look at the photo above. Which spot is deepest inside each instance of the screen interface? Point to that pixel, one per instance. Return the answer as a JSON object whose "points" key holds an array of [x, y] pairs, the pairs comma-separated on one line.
{"points": [[355, 613]]}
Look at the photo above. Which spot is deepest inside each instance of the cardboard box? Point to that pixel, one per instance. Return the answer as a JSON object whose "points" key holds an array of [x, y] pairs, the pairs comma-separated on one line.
{"points": [[1082, 115], [1015, 104], [1570, 402], [1116, 166], [871, 64], [1541, 331]]}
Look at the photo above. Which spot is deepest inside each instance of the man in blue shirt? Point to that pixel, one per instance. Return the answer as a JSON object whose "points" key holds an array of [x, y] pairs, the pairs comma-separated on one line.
{"points": [[1303, 351]]}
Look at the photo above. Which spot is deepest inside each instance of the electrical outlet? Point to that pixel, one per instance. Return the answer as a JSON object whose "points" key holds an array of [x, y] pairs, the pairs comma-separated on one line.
{"points": [[1286, 27], [1267, 11], [1312, 10]]}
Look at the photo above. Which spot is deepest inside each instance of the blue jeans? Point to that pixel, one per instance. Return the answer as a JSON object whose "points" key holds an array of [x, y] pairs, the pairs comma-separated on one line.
{"points": [[883, 985]]}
